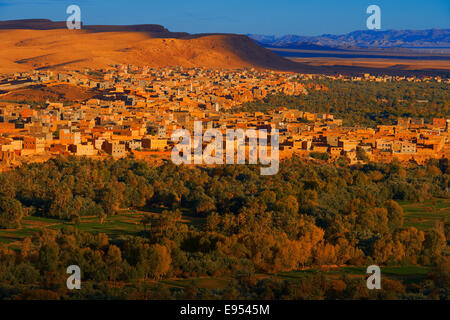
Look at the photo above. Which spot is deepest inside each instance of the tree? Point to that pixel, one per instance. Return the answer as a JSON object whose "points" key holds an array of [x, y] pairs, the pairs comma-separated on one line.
{"points": [[113, 261], [212, 222], [433, 170], [159, 261], [411, 240], [386, 250], [11, 213], [374, 220], [112, 197], [26, 247], [288, 205], [361, 154], [447, 230], [48, 257], [441, 277], [146, 220], [102, 216], [434, 243], [395, 214], [324, 253]]}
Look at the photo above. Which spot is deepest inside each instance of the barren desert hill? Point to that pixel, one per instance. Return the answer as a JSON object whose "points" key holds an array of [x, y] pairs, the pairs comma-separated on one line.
{"points": [[60, 92], [39, 43]]}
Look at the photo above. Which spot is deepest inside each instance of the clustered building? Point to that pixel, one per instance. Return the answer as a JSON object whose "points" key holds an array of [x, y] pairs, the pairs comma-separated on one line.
{"points": [[135, 110]]}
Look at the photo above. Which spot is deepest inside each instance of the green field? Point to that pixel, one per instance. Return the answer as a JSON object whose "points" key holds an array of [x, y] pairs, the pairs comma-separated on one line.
{"points": [[123, 224], [206, 283], [404, 273], [425, 215]]}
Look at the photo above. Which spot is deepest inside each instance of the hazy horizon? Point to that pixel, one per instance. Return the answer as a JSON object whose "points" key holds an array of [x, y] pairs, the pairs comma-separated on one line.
{"points": [[255, 34]]}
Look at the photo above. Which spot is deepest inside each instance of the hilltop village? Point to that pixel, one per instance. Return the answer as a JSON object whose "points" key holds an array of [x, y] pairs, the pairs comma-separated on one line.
{"points": [[135, 110]]}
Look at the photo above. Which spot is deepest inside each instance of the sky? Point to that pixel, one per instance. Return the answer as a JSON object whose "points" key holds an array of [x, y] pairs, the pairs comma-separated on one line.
{"points": [[313, 17]]}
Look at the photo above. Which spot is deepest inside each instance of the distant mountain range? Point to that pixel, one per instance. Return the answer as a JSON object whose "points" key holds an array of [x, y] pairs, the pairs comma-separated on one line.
{"points": [[425, 39]]}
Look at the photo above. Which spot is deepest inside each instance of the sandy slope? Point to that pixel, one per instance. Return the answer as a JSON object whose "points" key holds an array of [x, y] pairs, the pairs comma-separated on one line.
{"points": [[61, 48]]}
